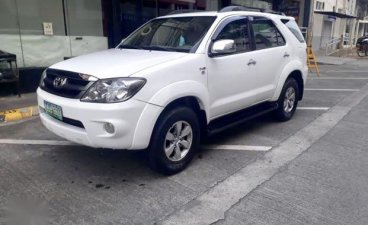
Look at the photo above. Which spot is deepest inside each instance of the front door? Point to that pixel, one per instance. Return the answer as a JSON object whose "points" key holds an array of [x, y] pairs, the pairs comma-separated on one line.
{"points": [[230, 78]]}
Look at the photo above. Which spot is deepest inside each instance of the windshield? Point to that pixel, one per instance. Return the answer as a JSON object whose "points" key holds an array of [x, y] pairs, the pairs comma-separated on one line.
{"points": [[182, 34]]}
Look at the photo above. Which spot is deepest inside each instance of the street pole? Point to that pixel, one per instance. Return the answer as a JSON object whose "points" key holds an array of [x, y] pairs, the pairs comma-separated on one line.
{"points": [[310, 25]]}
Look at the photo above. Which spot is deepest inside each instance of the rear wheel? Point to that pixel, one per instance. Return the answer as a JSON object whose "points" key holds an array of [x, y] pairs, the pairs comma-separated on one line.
{"points": [[174, 141], [288, 100]]}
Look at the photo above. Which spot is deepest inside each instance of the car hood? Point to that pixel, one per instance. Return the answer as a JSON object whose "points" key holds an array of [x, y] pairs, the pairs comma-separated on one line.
{"points": [[116, 62]]}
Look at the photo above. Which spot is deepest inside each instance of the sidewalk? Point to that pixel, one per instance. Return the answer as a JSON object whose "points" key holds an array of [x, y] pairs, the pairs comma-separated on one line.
{"points": [[341, 57], [327, 184], [335, 59]]}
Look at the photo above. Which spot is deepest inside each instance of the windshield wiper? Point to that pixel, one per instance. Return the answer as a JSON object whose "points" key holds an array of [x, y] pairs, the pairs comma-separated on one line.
{"points": [[129, 47]]}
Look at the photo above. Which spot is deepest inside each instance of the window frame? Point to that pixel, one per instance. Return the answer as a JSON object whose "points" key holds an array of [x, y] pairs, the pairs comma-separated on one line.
{"points": [[218, 30], [251, 21]]}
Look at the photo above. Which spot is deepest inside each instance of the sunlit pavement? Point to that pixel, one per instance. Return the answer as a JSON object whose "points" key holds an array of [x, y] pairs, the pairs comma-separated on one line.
{"points": [[321, 180]]}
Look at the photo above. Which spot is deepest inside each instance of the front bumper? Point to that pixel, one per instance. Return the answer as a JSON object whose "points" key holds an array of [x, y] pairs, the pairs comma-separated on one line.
{"points": [[126, 117]]}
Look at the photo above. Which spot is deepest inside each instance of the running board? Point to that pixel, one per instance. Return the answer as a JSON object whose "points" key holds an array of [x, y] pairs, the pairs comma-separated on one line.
{"points": [[239, 117]]}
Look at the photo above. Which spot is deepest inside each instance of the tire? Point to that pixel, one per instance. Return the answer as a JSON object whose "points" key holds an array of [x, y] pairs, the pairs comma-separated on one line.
{"points": [[288, 100], [171, 152], [361, 53]]}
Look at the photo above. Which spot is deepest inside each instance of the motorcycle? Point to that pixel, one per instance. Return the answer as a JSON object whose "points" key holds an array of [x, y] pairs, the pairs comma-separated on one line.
{"points": [[362, 46]]}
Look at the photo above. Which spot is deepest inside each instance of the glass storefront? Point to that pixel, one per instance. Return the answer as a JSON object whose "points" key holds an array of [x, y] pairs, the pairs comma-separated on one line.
{"points": [[258, 4], [135, 13], [43, 32]]}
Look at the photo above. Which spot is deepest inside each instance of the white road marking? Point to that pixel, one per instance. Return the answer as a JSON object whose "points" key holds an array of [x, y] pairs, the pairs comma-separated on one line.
{"points": [[337, 78], [36, 142], [346, 71], [314, 108], [329, 89], [68, 143], [238, 147]]}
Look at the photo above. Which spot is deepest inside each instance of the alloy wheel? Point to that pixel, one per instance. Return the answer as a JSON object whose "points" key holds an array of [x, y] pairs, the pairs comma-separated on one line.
{"points": [[178, 141]]}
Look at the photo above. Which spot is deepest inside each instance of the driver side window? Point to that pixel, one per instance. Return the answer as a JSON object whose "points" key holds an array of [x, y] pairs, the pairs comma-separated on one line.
{"points": [[238, 31]]}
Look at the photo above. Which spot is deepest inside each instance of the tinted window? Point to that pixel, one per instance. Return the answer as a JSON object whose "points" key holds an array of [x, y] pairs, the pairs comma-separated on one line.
{"points": [[266, 35], [238, 31], [293, 27]]}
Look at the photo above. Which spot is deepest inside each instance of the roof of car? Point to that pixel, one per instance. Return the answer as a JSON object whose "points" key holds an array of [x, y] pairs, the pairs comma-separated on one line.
{"points": [[225, 14]]}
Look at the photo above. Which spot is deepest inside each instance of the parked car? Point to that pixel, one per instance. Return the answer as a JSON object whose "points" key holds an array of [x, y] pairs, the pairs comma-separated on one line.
{"points": [[362, 46], [176, 79]]}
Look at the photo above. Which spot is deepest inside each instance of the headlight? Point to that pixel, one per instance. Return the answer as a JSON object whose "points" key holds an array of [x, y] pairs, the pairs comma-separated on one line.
{"points": [[113, 90], [43, 76]]}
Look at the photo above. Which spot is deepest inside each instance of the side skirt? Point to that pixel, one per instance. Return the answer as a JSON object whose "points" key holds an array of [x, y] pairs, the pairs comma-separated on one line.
{"points": [[228, 121]]}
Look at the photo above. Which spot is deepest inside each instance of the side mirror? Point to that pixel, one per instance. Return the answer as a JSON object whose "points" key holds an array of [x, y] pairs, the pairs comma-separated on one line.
{"points": [[224, 46]]}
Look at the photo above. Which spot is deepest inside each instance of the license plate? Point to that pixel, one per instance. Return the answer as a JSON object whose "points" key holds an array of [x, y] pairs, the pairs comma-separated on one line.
{"points": [[53, 110]]}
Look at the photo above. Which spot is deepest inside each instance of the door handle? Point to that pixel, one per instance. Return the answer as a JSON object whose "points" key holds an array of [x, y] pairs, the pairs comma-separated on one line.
{"points": [[286, 55], [252, 62]]}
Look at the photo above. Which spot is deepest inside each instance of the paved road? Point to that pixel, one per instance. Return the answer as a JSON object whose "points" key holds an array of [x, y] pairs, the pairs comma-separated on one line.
{"points": [[313, 174]]}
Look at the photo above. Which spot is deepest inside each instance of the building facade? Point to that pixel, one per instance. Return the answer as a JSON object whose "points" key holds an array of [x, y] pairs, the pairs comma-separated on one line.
{"points": [[362, 18], [43, 32], [332, 20]]}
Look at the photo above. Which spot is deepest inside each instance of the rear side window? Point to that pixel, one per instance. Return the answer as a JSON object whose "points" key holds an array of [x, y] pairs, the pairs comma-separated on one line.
{"points": [[293, 27], [266, 35]]}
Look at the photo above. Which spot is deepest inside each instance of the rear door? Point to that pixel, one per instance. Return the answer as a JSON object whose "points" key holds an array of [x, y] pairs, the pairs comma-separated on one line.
{"points": [[271, 54]]}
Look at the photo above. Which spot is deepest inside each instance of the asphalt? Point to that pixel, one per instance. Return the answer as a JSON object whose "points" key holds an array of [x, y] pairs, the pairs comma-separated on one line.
{"points": [[314, 173], [327, 184]]}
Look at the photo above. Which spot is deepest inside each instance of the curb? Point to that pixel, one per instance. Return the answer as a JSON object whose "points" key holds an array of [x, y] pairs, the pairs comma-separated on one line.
{"points": [[18, 114]]}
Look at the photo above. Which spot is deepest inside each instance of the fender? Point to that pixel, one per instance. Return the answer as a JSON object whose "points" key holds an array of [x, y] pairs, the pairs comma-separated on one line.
{"points": [[183, 89], [288, 69], [155, 106]]}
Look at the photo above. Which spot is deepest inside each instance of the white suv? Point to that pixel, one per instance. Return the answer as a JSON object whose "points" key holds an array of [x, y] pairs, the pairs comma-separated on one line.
{"points": [[176, 79]]}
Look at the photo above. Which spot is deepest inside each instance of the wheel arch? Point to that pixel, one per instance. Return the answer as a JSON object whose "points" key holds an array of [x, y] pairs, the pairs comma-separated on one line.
{"points": [[291, 70], [191, 102], [297, 75]]}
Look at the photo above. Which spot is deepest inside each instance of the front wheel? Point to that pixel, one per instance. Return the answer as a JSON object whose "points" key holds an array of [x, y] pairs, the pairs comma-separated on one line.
{"points": [[361, 51], [174, 140], [288, 100]]}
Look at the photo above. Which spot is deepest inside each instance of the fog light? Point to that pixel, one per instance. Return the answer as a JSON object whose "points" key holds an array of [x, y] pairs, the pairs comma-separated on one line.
{"points": [[109, 128]]}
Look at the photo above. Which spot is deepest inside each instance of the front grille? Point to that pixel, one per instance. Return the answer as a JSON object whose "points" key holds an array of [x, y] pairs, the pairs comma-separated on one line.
{"points": [[74, 87]]}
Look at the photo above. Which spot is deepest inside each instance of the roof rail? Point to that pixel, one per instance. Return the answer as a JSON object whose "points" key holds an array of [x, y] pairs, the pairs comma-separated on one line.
{"points": [[272, 12], [238, 8], [178, 11]]}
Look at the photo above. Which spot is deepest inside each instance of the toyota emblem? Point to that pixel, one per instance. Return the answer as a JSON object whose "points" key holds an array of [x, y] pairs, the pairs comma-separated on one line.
{"points": [[59, 82]]}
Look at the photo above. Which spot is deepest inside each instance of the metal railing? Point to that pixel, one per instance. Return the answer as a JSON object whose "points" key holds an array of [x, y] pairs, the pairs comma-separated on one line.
{"points": [[332, 46], [345, 45]]}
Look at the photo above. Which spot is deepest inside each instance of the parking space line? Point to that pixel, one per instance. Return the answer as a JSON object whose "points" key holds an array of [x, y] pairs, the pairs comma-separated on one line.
{"points": [[36, 142], [68, 143], [337, 78], [237, 147], [329, 89], [346, 71], [314, 108]]}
